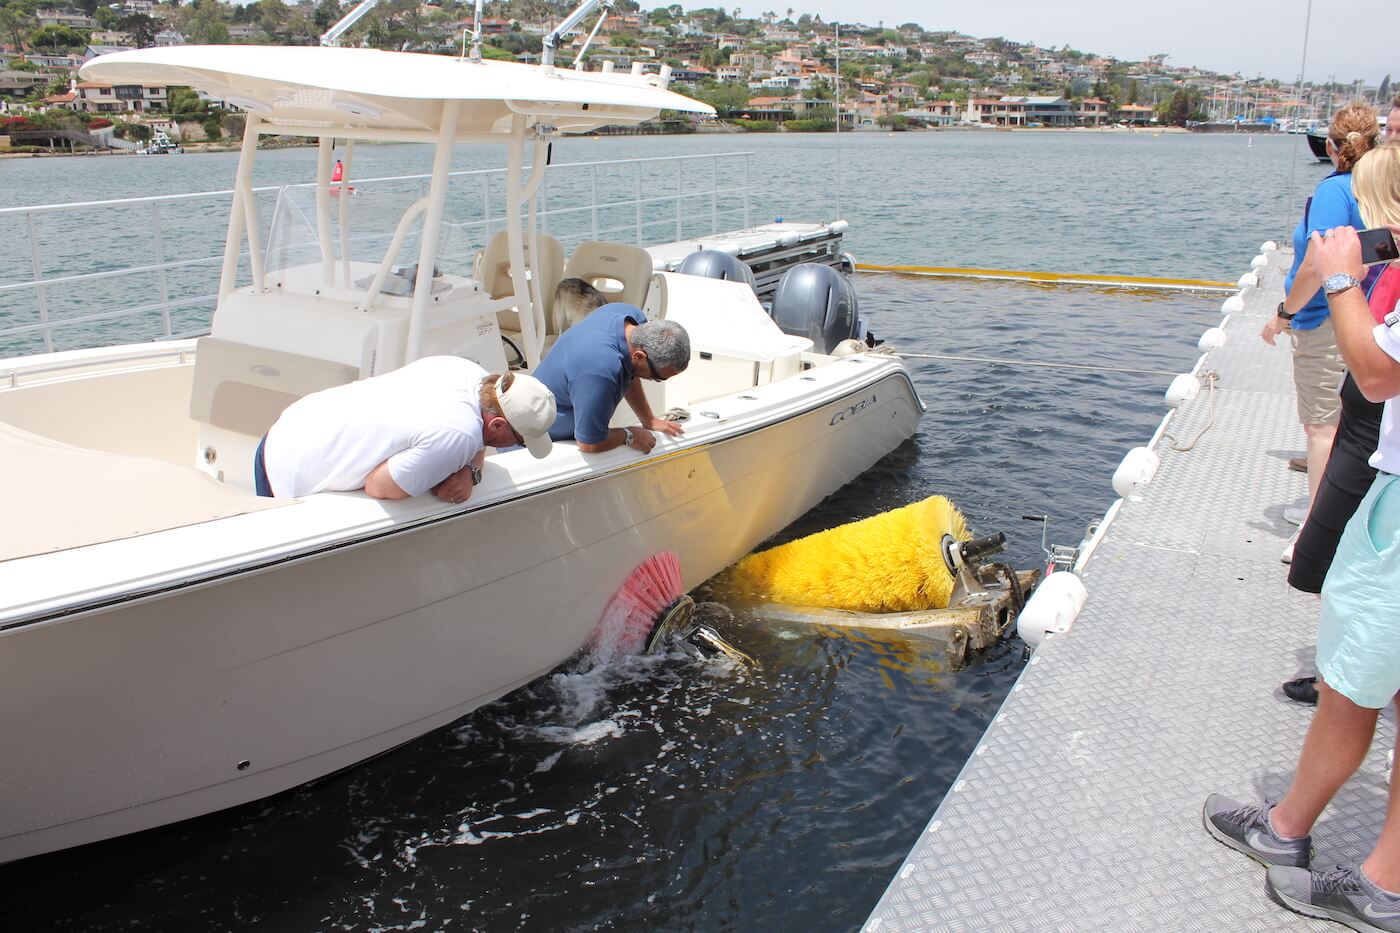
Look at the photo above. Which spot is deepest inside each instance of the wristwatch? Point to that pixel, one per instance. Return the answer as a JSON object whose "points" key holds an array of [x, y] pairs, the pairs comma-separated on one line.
{"points": [[627, 436], [1282, 314], [475, 471], [1339, 282]]}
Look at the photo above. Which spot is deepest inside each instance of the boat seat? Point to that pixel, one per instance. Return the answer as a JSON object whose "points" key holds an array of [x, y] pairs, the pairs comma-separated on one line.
{"points": [[240, 390], [244, 389], [621, 273], [492, 269]]}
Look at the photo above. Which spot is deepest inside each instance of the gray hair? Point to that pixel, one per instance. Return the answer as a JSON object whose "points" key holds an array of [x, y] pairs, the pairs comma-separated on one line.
{"points": [[665, 343]]}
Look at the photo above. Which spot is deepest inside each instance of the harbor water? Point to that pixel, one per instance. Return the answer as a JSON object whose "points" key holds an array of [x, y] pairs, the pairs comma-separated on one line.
{"points": [[662, 793]]}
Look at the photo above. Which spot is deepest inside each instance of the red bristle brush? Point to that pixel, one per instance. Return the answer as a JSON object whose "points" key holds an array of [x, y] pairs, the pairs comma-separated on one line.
{"points": [[644, 599]]}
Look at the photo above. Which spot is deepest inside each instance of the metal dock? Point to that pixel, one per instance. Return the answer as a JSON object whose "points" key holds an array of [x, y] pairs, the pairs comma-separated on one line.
{"points": [[1081, 807]]}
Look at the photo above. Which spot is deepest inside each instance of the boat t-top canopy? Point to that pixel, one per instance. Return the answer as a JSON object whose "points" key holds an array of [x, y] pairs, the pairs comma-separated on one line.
{"points": [[330, 89]]}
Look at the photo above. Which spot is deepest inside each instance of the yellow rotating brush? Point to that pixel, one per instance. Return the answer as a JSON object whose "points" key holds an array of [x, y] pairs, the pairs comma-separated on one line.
{"points": [[891, 562]]}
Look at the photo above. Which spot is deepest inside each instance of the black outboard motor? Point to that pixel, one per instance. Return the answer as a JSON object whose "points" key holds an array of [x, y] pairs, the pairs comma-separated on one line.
{"points": [[712, 264], [816, 301]]}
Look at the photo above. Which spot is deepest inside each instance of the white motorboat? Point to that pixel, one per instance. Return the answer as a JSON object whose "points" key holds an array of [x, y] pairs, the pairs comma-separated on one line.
{"points": [[171, 645]]}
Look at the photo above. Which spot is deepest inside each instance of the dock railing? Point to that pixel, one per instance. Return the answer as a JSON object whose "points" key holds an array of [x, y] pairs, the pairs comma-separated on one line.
{"points": [[126, 270]]}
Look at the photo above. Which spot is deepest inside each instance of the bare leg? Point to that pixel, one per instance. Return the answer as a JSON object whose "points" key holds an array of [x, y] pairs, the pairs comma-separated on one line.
{"points": [[1337, 741], [1320, 438], [1383, 864]]}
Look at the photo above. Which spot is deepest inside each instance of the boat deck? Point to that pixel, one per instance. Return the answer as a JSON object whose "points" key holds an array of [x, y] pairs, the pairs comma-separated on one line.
{"points": [[1081, 807]]}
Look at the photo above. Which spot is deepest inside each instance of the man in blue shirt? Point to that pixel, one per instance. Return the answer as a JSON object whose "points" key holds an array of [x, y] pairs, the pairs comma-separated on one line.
{"points": [[597, 363]]}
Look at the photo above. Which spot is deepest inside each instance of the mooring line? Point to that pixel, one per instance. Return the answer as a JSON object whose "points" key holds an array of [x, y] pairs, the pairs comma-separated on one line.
{"points": [[1061, 278], [1004, 362]]}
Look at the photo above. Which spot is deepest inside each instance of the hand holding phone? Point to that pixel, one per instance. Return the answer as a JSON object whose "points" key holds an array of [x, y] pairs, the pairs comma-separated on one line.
{"points": [[1378, 245]]}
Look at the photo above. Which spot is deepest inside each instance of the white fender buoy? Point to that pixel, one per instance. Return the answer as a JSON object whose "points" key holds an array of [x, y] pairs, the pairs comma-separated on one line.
{"points": [[1268, 246], [1259, 262], [838, 227], [1137, 469], [1232, 304], [1182, 390], [1248, 280], [1212, 339], [790, 238], [728, 247], [1052, 608]]}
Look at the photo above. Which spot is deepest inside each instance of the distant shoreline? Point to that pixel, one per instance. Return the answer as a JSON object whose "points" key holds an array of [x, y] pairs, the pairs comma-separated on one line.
{"points": [[197, 148]]}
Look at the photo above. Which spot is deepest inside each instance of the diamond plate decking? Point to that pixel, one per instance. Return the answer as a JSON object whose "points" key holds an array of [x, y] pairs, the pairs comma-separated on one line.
{"points": [[1081, 807]]}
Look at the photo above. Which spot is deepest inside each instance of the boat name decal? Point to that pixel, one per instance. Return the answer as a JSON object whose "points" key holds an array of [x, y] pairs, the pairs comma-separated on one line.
{"points": [[841, 416]]}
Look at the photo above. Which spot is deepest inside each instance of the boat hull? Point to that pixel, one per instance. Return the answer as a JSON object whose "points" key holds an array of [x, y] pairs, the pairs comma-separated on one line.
{"points": [[215, 693], [1317, 143]]}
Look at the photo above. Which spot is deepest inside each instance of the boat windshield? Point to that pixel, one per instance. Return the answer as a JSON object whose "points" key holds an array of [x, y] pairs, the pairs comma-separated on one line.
{"points": [[367, 224]]}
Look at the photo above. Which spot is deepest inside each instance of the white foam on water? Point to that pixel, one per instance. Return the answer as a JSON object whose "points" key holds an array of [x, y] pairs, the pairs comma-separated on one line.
{"points": [[582, 735]]}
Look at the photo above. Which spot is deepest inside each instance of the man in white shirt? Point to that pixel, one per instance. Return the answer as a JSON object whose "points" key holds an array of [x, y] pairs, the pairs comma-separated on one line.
{"points": [[419, 428]]}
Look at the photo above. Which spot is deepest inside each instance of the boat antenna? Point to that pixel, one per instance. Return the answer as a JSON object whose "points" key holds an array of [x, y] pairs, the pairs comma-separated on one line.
{"points": [[551, 41], [838, 120], [1302, 70], [476, 33], [583, 50]]}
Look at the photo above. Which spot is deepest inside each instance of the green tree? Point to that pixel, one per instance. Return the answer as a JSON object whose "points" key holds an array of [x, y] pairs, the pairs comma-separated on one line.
{"points": [[328, 13], [56, 38], [729, 97], [16, 22], [207, 26], [141, 28]]}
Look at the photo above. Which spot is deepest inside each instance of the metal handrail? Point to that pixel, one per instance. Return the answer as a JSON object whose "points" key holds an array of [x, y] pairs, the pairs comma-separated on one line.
{"points": [[41, 285]]}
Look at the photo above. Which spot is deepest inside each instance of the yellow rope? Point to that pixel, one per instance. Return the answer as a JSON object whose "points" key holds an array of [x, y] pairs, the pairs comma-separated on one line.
{"points": [[1058, 277]]}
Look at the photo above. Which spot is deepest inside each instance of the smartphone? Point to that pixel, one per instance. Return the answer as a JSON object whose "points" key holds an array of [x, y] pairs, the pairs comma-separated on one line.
{"points": [[1378, 245]]}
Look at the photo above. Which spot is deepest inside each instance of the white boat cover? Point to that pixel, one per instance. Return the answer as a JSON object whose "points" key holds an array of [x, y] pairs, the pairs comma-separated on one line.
{"points": [[65, 497], [336, 87]]}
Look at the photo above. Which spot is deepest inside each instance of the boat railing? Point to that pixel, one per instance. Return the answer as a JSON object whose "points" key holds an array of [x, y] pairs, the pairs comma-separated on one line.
{"points": [[67, 280]]}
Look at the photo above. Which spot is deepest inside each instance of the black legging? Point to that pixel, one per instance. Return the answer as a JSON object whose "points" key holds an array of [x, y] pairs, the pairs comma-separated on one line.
{"points": [[1344, 483]]}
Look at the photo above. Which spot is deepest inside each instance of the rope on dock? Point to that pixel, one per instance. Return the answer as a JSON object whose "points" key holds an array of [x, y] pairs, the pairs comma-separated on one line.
{"points": [[1083, 367], [1211, 379], [1134, 281]]}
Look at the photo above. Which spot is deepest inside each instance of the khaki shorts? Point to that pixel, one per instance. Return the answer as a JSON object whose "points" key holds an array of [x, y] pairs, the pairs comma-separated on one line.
{"points": [[1317, 374]]}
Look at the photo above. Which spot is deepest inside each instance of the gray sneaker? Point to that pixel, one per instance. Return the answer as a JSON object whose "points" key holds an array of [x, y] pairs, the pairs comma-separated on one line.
{"points": [[1342, 894], [1245, 828]]}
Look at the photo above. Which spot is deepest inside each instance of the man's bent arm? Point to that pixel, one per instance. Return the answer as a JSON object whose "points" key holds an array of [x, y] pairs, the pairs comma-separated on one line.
{"points": [[380, 485], [616, 438], [636, 396]]}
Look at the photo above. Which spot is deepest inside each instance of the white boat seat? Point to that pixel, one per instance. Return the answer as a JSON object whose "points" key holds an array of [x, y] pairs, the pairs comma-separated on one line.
{"points": [[73, 497], [492, 269], [244, 389], [621, 273]]}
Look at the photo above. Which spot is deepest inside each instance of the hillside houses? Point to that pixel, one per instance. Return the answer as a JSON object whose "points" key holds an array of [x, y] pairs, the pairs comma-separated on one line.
{"points": [[786, 65]]}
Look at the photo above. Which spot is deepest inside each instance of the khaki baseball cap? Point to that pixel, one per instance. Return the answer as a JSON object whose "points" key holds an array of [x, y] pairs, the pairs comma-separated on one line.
{"points": [[529, 407]]}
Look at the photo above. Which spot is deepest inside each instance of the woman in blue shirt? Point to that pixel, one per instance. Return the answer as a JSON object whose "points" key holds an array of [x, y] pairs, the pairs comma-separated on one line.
{"points": [[1317, 364]]}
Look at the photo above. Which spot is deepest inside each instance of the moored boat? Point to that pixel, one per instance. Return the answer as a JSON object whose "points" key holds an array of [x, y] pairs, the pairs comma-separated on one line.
{"points": [[170, 644]]}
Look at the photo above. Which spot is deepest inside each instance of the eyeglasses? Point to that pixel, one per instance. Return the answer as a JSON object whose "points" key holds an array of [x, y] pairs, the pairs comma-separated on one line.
{"points": [[519, 438], [651, 368]]}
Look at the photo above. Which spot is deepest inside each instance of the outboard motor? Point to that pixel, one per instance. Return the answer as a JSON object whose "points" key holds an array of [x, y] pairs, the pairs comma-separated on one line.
{"points": [[816, 301], [712, 264]]}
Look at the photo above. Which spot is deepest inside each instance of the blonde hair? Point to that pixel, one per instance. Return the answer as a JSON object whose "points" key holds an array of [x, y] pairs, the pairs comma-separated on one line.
{"points": [[1354, 131], [1376, 184]]}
